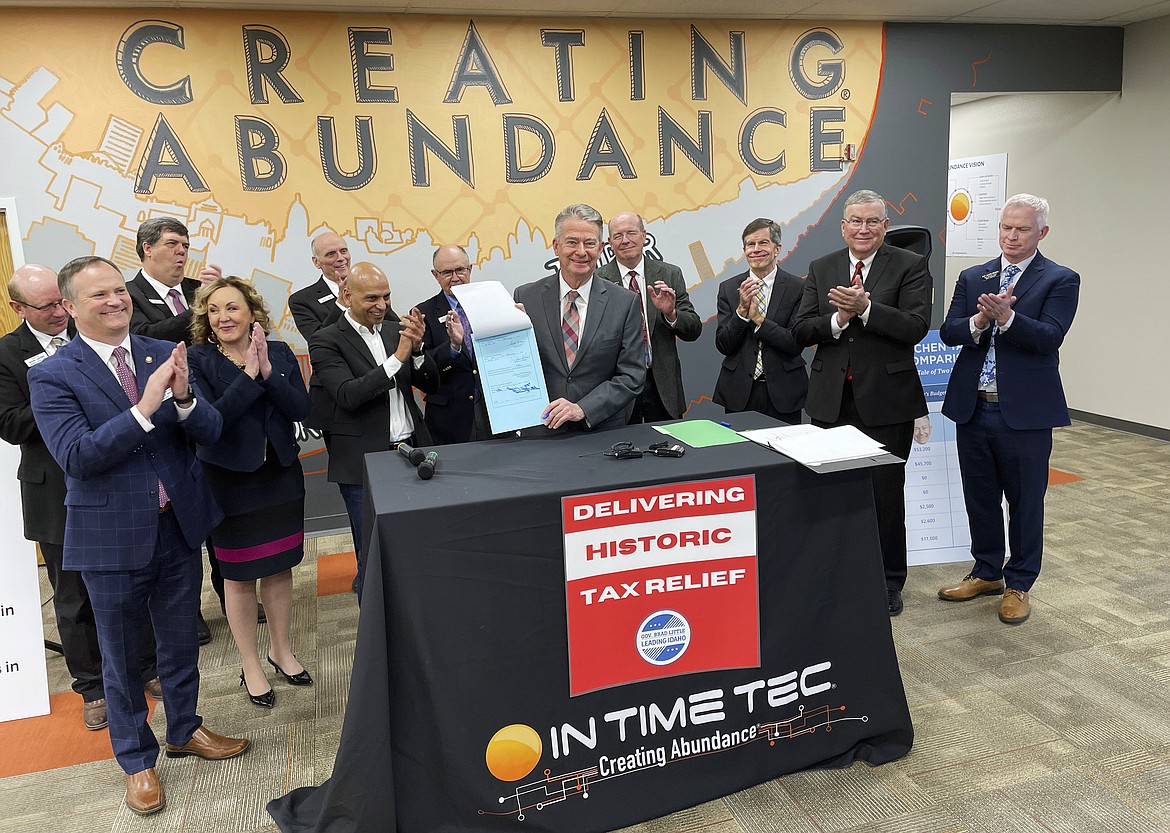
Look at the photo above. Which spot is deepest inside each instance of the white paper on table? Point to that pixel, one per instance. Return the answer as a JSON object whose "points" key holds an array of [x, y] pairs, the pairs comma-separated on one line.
{"points": [[490, 309], [769, 437], [830, 445]]}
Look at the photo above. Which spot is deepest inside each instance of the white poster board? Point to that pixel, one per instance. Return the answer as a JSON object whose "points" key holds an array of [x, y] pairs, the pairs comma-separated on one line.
{"points": [[976, 192], [24, 682], [936, 517]]}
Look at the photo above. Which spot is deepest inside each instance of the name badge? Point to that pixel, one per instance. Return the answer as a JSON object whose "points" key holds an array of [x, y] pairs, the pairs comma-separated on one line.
{"points": [[324, 299], [443, 319], [991, 275], [167, 394], [158, 301], [35, 360]]}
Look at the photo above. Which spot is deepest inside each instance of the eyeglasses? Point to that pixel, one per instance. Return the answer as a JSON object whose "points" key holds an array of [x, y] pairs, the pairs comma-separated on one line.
{"points": [[869, 222], [461, 271], [42, 307]]}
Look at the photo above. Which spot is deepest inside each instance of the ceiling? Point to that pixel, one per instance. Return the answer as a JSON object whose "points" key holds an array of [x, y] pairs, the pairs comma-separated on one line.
{"points": [[1067, 12]]}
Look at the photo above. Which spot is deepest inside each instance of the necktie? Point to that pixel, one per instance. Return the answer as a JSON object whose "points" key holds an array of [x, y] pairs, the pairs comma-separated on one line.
{"points": [[177, 301], [987, 374], [856, 279], [762, 303], [56, 342], [571, 327], [126, 380], [467, 348], [642, 312]]}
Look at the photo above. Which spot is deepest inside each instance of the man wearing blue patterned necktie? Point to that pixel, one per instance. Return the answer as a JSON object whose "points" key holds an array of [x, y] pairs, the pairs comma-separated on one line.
{"points": [[1010, 317], [455, 412]]}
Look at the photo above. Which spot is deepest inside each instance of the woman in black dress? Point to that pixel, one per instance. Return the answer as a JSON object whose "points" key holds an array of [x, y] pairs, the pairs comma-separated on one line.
{"points": [[253, 469]]}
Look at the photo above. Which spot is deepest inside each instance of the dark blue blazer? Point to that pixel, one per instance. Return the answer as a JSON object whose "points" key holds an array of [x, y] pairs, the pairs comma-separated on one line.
{"points": [[255, 412], [1027, 359], [450, 411], [112, 466]]}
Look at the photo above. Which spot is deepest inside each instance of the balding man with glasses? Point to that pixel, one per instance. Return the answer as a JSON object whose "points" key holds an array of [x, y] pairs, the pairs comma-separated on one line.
{"points": [[865, 307], [452, 411]]}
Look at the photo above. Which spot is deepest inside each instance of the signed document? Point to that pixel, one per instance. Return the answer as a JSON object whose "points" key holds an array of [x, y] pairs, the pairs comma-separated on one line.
{"points": [[506, 355]]}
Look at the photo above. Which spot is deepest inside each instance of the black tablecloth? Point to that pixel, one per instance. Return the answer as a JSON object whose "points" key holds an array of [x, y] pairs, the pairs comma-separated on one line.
{"points": [[463, 632]]}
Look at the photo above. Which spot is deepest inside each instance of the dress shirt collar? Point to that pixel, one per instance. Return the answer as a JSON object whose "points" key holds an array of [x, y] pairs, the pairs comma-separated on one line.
{"points": [[1023, 264], [163, 290], [582, 291], [106, 351], [362, 330], [640, 268], [332, 286], [865, 264], [44, 338]]}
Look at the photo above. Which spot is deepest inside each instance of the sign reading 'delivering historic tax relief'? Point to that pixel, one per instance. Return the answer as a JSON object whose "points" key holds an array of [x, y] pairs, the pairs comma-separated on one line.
{"points": [[661, 581]]}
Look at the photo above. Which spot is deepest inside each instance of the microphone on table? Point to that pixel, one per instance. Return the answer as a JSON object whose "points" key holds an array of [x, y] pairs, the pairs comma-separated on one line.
{"points": [[426, 469], [414, 455]]}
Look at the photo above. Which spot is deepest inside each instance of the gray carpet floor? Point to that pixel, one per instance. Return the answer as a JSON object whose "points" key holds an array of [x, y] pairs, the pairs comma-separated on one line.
{"points": [[1059, 724]]}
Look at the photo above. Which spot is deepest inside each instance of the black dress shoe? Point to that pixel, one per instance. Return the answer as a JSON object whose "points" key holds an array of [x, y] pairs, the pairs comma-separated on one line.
{"points": [[894, 598], [302, 678], [202, 631], [261, 618], [265, 701]]}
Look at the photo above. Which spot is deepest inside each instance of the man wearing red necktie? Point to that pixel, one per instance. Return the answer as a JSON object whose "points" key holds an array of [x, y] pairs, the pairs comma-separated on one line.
{"points": [[668, 314], [865, 307]]}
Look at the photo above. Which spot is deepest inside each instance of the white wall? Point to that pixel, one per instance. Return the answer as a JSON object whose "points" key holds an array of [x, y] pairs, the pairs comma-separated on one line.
{"points": [[1101, 161]]}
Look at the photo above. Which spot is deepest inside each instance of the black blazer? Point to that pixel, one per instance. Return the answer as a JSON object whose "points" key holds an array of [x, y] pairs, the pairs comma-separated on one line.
{"points": [[349, 393], [450, 412], [663, 348], [255, 412], [313, 307], [737, 340], [152, 315], [880, 353], [42, 483]]}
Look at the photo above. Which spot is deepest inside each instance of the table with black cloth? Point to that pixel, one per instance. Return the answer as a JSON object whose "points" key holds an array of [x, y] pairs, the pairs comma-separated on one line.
{"points": [[463, 632]]}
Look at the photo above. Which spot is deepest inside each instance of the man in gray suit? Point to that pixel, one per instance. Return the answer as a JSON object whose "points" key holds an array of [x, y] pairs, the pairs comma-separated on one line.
{"points": [[668, 314], [589, 332]]}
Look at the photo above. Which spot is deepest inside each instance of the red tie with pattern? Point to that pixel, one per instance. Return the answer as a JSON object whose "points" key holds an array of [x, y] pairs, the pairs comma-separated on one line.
{"points": [[126, 380], [642, 312], [856, 280]]}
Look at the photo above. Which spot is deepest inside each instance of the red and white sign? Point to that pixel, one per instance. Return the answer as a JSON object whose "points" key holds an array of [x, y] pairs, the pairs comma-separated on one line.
{"points": [[661, 581]]}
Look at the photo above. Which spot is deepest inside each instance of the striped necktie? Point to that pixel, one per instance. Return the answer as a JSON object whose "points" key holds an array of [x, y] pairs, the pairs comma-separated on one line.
{"points": [[571, 327]]}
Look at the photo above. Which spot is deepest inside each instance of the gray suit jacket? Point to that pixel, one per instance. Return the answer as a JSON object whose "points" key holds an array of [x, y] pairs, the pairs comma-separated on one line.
{"points": [[610, 369], [663, 350]]}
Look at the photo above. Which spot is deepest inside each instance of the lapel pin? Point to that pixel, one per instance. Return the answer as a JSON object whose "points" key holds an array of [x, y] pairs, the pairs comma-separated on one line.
{"points": [[149, 359]]}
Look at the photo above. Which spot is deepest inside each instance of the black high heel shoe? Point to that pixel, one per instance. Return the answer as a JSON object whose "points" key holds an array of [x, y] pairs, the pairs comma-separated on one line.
{"points": [[265, 701], [302, 678]]}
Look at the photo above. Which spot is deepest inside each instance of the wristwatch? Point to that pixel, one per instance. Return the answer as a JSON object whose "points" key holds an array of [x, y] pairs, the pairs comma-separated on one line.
{"points": [[186, 400]]}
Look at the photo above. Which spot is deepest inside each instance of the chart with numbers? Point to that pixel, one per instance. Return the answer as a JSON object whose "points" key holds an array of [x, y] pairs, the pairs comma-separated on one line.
{"points": [[936, 519]]}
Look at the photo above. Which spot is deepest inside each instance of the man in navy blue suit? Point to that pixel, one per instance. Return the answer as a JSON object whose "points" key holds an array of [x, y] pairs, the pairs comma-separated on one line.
{"points": [[1010, 316], [118, 414]]}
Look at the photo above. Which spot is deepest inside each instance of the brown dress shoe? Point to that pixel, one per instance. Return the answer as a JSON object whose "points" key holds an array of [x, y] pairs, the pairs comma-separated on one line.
{"points": [[970, 588], [93, 714], [154, 689], [144, 793], [208, 745], [1015, 607]]}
